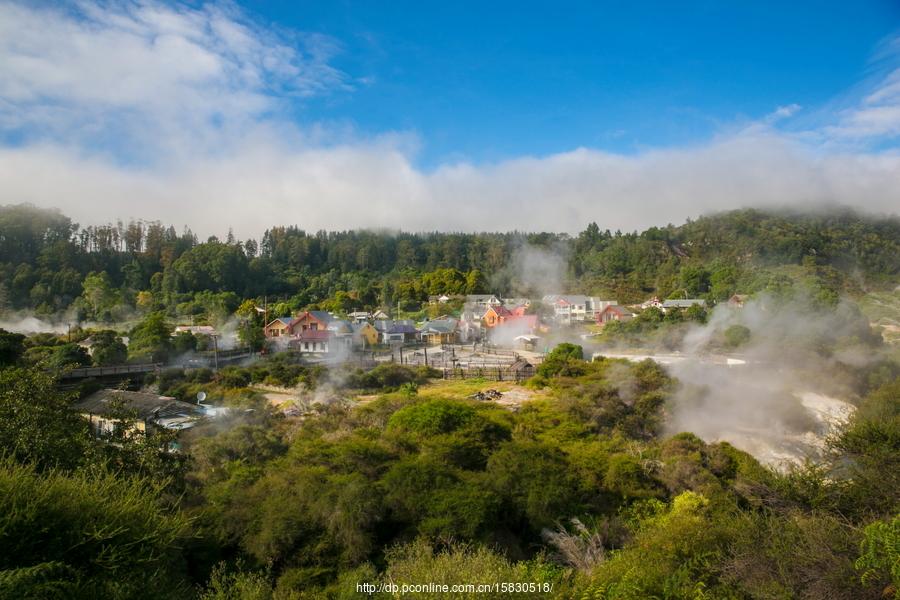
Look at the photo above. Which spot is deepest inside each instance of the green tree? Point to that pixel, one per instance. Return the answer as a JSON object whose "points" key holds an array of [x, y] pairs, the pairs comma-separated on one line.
{"points": [[69, 355], [36, 424], [12, 347], [151, 339], [99, 295], [108, 349]]}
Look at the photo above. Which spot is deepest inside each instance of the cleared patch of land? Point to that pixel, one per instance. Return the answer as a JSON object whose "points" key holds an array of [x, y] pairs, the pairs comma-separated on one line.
{"points": [[883, 310]]}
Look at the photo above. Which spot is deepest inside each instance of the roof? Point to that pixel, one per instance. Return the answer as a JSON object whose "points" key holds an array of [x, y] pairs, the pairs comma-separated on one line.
{"points": [[383, 324], [572, 299], [519, 320], [402, 328], [314, 335], [500, 310], [616, 308], [440, 326], [520, 364], [357, 327], [143, 405], [340, 325], [527, 337], [283, 320], [683, 303], [481, 297], [321, 315]]}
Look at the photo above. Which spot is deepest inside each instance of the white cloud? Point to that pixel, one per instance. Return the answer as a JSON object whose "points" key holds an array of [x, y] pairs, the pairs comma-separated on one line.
{"points": [[198, 91], [144, 72], [374, 184]]}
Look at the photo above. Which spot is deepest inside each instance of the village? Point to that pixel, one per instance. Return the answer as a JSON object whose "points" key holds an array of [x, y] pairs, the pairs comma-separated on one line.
{"points": [[487, 338], [486, 320]]}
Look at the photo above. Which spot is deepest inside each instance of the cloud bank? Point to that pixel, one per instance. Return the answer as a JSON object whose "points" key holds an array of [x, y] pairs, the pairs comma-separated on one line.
{"points": [[158, 111]]}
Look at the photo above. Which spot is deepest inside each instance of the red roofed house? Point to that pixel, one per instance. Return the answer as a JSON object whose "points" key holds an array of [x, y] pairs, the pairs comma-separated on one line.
{"points": [[313, 340], [519, 311], [614, 312], [494, 315]]}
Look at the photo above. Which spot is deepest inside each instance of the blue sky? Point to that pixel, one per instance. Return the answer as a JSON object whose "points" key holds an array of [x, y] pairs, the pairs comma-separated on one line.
{"points": [[452, 116], [488, 81]]}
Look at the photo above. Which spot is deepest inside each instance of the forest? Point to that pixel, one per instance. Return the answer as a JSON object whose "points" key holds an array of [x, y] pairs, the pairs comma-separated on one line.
{"points": [[399, 477], [51, 266]]}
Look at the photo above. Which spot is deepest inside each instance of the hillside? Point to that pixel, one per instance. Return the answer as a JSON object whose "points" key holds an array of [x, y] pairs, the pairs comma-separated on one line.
{"points": [[50, 265]]}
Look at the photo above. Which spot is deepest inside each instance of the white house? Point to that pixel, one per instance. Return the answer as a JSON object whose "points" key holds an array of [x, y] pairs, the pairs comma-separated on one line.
{"points": [[571, 308]]}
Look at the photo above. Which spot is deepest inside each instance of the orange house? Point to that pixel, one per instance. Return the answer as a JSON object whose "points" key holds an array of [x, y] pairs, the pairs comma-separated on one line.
{"points": [[495, 315]]}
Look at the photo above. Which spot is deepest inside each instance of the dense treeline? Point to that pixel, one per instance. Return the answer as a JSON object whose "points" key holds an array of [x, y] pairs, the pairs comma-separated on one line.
{"points": [[49, 264]]}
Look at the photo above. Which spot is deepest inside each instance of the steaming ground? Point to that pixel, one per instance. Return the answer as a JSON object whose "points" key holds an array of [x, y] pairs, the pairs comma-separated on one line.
{"points": [[757, 408], [779, 396]]}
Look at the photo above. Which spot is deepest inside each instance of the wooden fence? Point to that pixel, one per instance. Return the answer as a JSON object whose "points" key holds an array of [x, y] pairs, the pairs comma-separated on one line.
{"points": [[490, 374]]}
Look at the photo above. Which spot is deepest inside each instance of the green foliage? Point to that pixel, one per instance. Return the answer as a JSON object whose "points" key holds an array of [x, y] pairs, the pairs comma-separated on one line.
{"points": [[420, 563], [108, 349], [737, 335], [565, 360], [36, 425], [391, 376], [99, 296], [12, 347], [151, 339], [68, 356], [869, 453], [879, 560], [102, 536]]}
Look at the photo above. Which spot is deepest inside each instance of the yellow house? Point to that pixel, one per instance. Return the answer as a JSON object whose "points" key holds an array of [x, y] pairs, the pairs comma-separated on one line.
{"points": [[110, 411], [364, 334], [280, 327]]}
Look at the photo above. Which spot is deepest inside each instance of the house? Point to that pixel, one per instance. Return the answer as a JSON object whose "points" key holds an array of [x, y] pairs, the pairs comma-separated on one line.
{"points": [[88, 345], [494, 315], [315, 320], [280, 327], [570, 308], [512, 303], [380, 315], [519, 310], [313, 341], [614, 312], [522, 323], [480, 302], [653, 302], [440, 331], [682, 304], [341, 332], [520, 369], [527, 341], [109, 411], [364, 335], [738, 300], [469, 327], [400, 332], [359, 316]]}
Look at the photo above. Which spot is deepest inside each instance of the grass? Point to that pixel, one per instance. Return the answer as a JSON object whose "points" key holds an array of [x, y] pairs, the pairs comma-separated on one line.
{"points": [[883, 309]]}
